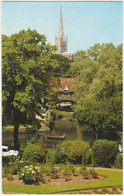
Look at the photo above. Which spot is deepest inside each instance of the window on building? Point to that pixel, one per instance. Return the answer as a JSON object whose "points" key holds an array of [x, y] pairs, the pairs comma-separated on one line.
{"points": [[66, 90]]}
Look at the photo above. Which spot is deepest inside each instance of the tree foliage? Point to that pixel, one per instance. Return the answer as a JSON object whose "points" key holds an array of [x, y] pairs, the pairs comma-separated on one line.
{"points": [[28, 75], [119, 161], [63, 70], [55, 156], [99, 93], [75, 149], [104, 153], [33, 153]]}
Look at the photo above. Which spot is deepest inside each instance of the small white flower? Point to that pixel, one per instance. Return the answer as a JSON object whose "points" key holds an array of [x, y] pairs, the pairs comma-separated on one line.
{"points": [[23, 174]]}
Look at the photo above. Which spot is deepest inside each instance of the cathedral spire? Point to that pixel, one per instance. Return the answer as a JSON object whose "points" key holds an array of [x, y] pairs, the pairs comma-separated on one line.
{"points": [[60, 40], [61, 24]]}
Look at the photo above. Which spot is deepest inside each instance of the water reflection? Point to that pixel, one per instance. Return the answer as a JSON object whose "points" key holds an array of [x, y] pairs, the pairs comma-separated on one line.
{"points": [[64, 125]]}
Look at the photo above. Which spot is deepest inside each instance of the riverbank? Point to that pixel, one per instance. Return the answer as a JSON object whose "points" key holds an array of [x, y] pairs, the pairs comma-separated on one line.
{"points": [[9, 129]]}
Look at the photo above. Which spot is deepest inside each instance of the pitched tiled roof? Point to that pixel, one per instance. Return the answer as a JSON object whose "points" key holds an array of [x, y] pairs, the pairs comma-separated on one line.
{"points": [[69, 82]]}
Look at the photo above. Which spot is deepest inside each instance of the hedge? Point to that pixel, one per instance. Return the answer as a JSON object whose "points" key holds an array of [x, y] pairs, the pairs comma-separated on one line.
{"points": [[33, 153], [104, 153], [75, 149]]}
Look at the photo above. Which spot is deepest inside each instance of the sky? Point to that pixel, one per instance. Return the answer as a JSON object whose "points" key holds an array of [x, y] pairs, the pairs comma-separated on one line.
{"points": [[85, 23]]}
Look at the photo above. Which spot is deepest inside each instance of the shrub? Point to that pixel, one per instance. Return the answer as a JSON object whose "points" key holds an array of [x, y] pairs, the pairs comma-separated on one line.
{"points": [[87, 157], [88, 173], [55, 156], [84, 172], [73, 170], [5, 171], [74, 150], [33, 153], [31, 174], [10, 177], [15, 165], [12, 167], [67, 172], [119, 161], [104, 153], [47, 170], [7, 159], [51, 156], [93, 173], [53, 173]]}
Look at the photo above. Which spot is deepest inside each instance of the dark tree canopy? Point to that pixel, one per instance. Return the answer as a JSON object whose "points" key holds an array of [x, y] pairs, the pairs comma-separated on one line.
{"points": [[63, 70], [27, 75], [99, 94]]}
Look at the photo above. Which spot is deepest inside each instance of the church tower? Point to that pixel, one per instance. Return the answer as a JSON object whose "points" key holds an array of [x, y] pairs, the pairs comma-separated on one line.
{"points": [[61, 40]]}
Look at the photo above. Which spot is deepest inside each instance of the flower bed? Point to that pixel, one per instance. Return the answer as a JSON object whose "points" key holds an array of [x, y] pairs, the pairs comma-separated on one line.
{"points": [[47, 174], [112, 178]]}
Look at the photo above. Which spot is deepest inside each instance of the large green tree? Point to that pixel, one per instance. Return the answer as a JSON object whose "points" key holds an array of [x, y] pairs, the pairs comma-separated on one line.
{"points": [[64, 68], [99, 93], [28, 77]]}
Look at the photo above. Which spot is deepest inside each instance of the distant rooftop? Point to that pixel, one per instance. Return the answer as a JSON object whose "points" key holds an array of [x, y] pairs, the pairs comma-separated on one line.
{"points": [[68, 53], [67, 83]]}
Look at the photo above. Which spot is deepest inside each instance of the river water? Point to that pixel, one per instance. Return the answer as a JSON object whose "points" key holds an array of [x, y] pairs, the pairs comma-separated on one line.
{"points": [[64, 125]]}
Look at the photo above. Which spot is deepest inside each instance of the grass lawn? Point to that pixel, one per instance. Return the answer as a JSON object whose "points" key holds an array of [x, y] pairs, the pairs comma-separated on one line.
{"points": [[113, 179], [63, 113], [12, 127]]}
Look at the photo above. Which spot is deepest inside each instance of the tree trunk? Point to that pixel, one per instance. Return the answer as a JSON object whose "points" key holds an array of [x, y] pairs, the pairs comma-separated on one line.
{"points": [[96, 135], [16, 140], [79, 131]]}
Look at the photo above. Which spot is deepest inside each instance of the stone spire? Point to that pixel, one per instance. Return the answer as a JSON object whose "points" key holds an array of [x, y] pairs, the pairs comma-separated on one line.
{"points": [[60, 40], [60, 33]]}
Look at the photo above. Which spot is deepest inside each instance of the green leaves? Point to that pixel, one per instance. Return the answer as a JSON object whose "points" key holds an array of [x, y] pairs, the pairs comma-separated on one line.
{"points": [[104, 153], [27, 70], [63, 68], [75, 149], [99, 86]]}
